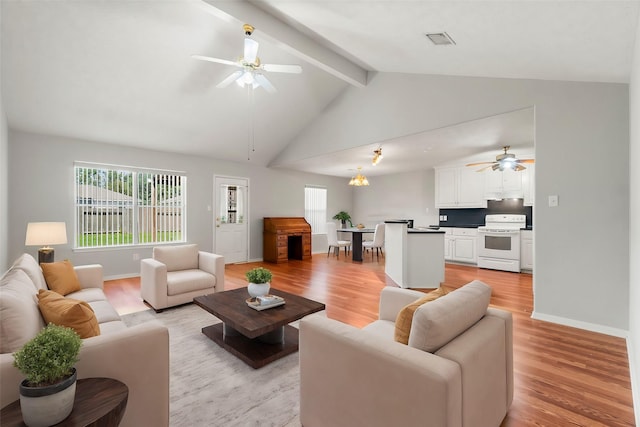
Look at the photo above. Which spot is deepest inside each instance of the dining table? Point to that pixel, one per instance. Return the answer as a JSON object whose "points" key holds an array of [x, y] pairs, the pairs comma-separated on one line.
{"points": [[356, 241]]}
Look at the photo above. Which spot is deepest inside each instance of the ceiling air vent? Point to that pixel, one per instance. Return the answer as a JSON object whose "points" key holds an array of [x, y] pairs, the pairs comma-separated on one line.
{"points": [[440, 39]]}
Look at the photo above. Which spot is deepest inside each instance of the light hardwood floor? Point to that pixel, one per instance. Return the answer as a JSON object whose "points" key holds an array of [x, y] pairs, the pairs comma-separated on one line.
{"points": [[563, 376]]}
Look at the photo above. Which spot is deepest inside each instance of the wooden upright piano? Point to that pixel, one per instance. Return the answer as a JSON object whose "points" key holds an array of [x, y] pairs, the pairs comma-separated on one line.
{"points": [[286, 238]]}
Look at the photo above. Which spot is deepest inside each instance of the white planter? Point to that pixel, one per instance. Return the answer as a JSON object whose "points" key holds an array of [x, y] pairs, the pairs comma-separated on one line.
{"points": [[43, 408], [258, 289]]}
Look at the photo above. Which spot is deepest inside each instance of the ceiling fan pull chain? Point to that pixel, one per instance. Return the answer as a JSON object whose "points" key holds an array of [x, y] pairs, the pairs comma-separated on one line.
{"points": [[250, 142]]}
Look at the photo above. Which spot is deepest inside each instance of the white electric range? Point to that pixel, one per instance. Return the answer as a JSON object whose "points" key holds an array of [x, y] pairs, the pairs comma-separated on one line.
{"points": [[499, 242]]}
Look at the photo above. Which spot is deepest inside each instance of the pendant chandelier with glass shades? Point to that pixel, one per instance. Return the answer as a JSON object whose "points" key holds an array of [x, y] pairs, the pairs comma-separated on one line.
{"points": [[359, 180]]}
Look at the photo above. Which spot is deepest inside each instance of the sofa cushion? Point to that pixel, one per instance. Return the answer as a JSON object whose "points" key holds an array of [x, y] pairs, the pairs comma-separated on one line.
{"points": [[181, 282], [440, 321], [405, 315], [104, 311], [183, 257], [68, 312], [88, 295], [29, 265], [60, 277], [21, 319]]}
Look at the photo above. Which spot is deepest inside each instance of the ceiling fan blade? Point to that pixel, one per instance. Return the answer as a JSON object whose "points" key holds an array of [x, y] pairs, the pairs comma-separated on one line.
{"points": [[484, 168], [217, 60], [280, 68], [266, 84], [527, 161], [250, 50], [518, 168], [230, 79], [479, 163]]}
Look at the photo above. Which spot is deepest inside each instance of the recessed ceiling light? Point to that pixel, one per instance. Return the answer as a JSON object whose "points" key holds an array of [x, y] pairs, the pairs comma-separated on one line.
{"points": [[440, 39]]}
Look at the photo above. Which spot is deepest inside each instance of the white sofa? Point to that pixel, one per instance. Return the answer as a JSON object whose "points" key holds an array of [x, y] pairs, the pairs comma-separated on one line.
{"points": [[177, 274], [456, 371], [138, 356]]}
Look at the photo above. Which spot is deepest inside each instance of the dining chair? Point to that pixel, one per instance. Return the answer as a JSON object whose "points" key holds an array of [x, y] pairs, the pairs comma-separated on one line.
{"points": [[332, 239], [377, 242]]}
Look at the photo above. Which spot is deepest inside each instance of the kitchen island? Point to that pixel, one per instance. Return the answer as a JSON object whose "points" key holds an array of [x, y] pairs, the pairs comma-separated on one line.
{"points": [[414, 257]]}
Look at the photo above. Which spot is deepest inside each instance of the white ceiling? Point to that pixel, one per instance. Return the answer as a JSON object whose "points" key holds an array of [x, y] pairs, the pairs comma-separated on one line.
{"points": [[120, 71]]}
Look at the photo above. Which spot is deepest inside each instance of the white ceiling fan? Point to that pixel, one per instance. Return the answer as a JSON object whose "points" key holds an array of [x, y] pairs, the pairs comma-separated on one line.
{"points": [[251, 69], [504, 161]]}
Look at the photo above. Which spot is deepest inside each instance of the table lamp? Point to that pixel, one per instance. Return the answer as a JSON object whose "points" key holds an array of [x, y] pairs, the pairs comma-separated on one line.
{"points": [[45, 234]]}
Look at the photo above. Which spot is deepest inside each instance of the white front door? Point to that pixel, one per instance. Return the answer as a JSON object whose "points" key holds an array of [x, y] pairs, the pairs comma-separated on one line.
{"points": [[231, 219]]}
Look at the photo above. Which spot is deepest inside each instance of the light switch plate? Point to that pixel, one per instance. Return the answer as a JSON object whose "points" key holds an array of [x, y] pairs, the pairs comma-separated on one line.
{"points": [[553, 201]]}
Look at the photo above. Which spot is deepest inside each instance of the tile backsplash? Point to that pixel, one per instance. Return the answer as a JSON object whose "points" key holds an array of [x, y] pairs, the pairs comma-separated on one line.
{"points": [[475, 216]]}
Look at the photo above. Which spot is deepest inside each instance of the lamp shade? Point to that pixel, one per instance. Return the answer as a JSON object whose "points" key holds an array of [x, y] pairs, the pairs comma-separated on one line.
{"points": [[46, 233]]}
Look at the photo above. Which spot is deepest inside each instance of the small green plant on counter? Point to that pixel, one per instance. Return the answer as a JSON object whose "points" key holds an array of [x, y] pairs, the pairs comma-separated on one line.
{"points": [[49, 357], [259, 275], [343, 217]]}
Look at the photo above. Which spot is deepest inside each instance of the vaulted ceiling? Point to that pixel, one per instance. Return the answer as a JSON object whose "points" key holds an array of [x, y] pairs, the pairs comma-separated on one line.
{"points": [[121, 71]]}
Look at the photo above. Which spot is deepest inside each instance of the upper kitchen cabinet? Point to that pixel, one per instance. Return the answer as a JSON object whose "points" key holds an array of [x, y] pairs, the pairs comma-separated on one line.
{"points": [[505, 184], [459, 187]]}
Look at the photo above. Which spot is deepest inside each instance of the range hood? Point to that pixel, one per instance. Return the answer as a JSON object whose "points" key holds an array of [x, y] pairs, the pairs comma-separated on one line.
{"points": [[505, 194]]}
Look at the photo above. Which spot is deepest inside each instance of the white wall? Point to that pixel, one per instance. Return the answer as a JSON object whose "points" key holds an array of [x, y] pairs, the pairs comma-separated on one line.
{"points": [[4, 190], [41, 189], [400, 196], [582, 246], [633, 342]]}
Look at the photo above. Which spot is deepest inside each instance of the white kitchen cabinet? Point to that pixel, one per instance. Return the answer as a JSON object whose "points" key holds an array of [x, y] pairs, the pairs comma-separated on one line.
{"points": [[526, 250], [448, 242], [528, 184], [459, 187], [503, 184], [460, 244]]}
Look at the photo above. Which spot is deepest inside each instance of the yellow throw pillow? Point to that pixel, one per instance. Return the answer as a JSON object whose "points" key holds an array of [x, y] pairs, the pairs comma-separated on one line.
{"points": [[68, 312], [60, 277], [405, 316]]}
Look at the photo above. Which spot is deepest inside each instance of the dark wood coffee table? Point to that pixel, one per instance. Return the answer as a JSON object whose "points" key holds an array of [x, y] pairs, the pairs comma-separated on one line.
{"points": [[256, 337]]}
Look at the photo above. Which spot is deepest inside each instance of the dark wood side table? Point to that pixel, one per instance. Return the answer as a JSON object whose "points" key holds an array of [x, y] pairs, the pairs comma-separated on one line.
{"points": [[100, 402]]}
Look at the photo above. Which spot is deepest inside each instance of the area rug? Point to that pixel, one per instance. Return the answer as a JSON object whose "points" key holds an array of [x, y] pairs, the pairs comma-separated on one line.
{"points": [[211, 387]]}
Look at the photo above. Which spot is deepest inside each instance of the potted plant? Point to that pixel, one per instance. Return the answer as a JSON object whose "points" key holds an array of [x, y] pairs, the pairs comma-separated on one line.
{"points": [[48, 392], [259, 281], [343, 217]]}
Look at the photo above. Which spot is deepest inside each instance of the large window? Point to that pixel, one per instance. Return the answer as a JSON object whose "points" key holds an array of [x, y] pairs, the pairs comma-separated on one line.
{"points": [[315, 208], [122, 206]]}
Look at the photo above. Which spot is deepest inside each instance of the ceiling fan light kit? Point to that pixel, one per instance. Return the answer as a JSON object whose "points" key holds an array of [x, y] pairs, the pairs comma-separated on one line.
{"points": [[359, 180]]}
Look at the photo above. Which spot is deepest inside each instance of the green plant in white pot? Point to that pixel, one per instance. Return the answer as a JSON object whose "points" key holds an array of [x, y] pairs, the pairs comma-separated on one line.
{"points": [[343, 217], [259, 281], [48, 392]]}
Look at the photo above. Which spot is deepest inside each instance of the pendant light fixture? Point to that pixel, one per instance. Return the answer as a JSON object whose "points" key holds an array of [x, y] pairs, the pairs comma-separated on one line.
{"points": [[359, 180], [377, 156]]}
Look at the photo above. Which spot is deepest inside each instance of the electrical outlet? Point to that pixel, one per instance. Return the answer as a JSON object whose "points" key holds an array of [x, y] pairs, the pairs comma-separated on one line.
{"points": [[553, 201], [136, 257]]}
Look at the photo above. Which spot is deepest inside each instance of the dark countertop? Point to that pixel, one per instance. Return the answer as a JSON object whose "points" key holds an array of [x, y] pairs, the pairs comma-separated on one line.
{"points": [[418, 230], [462, 225], [528, 227]]}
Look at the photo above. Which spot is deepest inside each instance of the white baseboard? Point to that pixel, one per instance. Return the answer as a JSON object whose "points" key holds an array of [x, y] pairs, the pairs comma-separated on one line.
{"points": [[621, 333]]}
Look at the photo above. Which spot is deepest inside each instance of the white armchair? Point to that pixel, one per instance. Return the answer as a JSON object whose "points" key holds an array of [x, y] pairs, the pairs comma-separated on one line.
{"points": [[457, 369], [177, 274]]}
